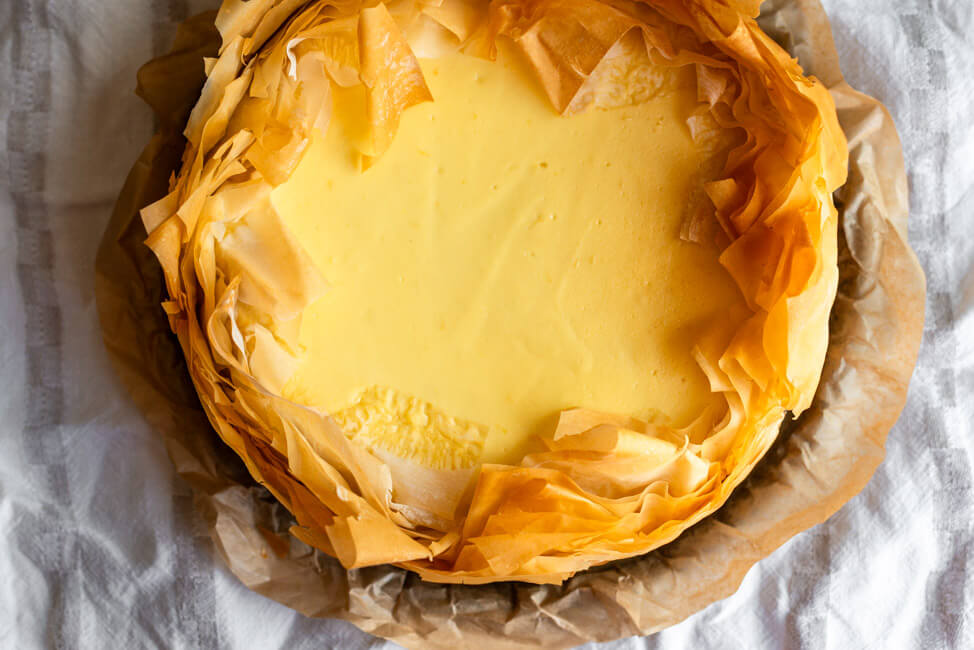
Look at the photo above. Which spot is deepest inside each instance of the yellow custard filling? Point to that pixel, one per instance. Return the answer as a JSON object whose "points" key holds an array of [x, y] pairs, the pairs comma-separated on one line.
{"points": [[501, 263]]}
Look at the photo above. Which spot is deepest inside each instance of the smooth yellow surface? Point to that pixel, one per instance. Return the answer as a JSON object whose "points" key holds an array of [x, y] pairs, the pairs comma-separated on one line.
{"points": [[502, 262]]}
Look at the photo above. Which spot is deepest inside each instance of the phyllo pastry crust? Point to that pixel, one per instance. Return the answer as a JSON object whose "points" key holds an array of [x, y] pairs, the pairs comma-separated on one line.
{"points": [[506, 290]]}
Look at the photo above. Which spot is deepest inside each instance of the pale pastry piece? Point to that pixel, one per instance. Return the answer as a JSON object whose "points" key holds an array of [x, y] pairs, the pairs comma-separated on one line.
{"points": [[501, 291]]}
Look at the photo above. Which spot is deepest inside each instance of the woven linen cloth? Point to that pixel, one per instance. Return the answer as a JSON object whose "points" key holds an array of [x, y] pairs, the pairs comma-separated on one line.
{"points": [[100, 546]]}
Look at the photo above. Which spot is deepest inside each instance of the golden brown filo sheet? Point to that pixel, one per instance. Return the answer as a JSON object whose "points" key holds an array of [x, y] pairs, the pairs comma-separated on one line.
{"points": [[607, 487]]}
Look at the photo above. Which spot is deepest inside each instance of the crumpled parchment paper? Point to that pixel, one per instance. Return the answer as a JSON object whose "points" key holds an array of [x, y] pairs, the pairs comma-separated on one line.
{"points": [[819, 462]]}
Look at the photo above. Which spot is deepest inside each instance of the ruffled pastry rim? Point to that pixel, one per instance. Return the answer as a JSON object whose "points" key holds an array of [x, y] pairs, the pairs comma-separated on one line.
{"points": [[546, 519]]}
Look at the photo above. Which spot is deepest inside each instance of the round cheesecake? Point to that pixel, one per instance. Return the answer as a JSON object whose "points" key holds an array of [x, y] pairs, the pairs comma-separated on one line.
{"points": [[501, 290]]}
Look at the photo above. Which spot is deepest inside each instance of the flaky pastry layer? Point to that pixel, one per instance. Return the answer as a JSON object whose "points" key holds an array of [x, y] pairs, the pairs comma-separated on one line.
{"points": [[607, 487]]}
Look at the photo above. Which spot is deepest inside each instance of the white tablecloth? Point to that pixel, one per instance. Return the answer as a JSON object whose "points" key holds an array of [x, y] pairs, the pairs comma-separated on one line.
{"points": [[99, 543]]}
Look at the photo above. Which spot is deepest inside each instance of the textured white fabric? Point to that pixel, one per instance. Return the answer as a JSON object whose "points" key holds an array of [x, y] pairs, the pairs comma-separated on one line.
{"points": [[99, 544]]}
